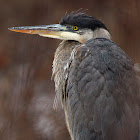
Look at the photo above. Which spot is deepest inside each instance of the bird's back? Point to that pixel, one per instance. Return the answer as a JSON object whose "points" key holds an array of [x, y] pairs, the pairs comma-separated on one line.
{"points": [[101, 93]]}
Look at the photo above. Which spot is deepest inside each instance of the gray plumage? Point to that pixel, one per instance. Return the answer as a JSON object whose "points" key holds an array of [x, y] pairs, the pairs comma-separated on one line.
{"points": [[99, 90], [95, 80]]}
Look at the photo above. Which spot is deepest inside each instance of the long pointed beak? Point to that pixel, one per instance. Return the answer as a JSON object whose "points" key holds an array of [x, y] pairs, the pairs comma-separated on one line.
{"points": [[43, 30], [53, 31]]}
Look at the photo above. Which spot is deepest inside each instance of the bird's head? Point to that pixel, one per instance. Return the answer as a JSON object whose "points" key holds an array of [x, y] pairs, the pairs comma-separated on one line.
{"points": [[75, 26]]}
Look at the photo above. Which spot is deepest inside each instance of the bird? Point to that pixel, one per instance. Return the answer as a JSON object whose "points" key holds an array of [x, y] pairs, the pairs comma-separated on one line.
{"points": [[95, 80]]}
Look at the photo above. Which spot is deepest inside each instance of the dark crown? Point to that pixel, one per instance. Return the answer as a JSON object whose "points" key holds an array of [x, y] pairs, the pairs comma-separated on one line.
{"points": [[82, 20]]}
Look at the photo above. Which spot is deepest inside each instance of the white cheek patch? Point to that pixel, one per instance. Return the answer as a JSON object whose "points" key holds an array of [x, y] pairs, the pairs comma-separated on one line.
{"points": [[70, 36]]}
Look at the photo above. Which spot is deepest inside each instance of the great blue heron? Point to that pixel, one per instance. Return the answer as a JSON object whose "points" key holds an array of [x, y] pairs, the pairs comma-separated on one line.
{"points": [[95, 80]]}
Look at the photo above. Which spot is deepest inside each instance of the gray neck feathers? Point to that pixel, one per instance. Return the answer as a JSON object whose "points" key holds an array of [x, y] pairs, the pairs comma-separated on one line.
{"points": [[61, 63]]}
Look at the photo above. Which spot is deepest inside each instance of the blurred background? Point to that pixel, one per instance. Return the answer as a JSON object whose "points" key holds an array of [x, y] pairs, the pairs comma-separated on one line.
{"points": [[26, 89]]}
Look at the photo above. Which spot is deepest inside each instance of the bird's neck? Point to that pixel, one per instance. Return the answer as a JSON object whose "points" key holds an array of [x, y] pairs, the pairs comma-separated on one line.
{"points": [[98, 33], [60, 64], [101, 33]]}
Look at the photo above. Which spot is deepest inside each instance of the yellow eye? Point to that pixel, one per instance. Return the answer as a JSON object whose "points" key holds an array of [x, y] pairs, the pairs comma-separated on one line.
{"points": [[75, 28]]}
